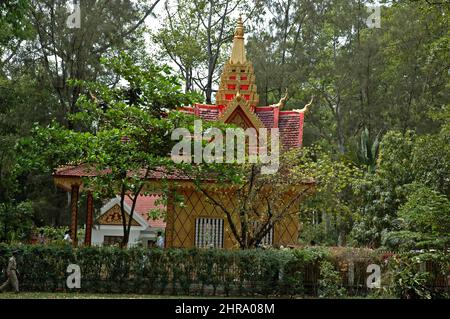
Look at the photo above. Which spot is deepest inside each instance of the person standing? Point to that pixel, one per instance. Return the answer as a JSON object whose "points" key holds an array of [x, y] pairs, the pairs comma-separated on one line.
{"points": [[11, 272], [160, 240], [67, 237], [41, 237]]}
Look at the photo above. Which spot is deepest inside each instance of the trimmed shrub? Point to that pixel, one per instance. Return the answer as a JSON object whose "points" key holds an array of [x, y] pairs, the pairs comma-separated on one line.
{"points": [[310, 271]]}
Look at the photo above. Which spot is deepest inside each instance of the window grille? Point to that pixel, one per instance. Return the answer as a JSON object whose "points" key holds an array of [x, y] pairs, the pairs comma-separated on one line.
{"points": [[209, 232], [267, 240]]}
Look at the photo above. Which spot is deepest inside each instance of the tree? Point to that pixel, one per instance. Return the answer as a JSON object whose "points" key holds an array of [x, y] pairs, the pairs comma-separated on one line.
{"points": [[404, 160], [254, 202], [26, 99], [191, 24], [426, 211], [375, 78], [39, 53], [382, 192], [327, 216], [423, 221], [305, 52], [430, 161], [126, 133], [182, 42], [107, 27], [15, 221], [15, 27]]}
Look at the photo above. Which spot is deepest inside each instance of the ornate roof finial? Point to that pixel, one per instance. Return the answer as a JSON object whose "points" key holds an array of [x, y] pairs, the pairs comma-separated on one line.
{"points": [[238, 50], [283, 100], [239, 31], [305, 110]]}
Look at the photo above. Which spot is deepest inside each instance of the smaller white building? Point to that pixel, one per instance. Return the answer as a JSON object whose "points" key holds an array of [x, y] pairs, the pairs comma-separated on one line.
{"points": [[108, 229]]}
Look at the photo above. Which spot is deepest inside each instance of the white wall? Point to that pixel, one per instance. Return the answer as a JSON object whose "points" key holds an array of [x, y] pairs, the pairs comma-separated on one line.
{"points": [[99, 232]]}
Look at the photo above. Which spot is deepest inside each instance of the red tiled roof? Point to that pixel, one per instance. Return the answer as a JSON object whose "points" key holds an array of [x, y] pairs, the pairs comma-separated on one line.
{"points": [[205, 111], [267, 116], [84, 170], [187, 109], [143, 205], [208, 114], [290, 123], [291, 128], [79, 170]]}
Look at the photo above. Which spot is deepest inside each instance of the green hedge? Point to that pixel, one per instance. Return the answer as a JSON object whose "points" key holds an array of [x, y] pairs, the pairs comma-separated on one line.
{"points": [[308, 271]]}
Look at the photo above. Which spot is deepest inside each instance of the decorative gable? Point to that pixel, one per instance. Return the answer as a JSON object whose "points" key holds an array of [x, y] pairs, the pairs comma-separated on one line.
{"points": [[113, 216], [239, 112], [239, 119]]}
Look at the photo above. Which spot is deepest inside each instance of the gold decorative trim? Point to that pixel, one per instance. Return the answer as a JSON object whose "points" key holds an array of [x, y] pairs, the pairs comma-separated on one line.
{"points": [[240, 102]]}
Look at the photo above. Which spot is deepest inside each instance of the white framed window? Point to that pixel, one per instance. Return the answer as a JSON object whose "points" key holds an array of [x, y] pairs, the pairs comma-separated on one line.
{"points": [[209, 232], [268, 238]]}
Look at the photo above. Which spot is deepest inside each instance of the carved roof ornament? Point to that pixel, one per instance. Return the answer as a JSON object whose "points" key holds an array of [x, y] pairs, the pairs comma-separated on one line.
{"points": [[282, 101], [305, 109]]}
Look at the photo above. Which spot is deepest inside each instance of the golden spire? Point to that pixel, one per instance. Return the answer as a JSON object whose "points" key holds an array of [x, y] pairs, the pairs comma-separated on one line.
{"points": [[238, 50]]}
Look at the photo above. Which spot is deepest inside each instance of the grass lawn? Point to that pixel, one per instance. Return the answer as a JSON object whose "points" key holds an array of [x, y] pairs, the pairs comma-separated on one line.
{"points": [[75, 295]]}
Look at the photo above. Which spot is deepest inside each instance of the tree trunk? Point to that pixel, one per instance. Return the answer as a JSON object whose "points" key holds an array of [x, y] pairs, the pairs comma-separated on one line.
{"points": [[340, 132]]}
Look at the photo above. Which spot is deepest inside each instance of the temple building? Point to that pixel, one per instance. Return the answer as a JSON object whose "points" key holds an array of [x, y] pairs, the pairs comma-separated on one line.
{"points": [[237, 100], [198, 223]]}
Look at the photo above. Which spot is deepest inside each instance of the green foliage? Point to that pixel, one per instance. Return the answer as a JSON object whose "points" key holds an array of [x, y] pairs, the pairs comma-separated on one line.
{"points": [[404, 240], [110, 269], [423, 219], [13, 21], [330, 282], [194, 35], [411, 277], [426, 211], [430, 161], [327, 214], [126, 132], [393, 79], [15, 221], [24, 101], [297, 271], [405, 181], [368, 151], [321, 233], [308, 271], [385, 78], [55, 235], [37, 54]]}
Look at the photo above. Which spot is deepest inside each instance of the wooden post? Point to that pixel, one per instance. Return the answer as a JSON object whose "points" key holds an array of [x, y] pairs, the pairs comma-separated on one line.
{"points": [[170, 221], [74, 213], [89, 219]]}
